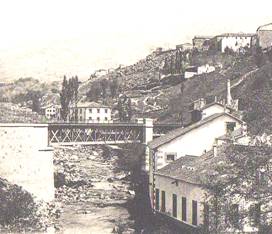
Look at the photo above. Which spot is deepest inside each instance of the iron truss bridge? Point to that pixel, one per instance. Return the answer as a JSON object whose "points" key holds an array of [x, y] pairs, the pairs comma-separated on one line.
{"points": [[102, 133]]}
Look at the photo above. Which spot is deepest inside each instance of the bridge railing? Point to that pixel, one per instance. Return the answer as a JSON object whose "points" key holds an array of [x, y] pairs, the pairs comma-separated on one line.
{"points": [[103, 133]]}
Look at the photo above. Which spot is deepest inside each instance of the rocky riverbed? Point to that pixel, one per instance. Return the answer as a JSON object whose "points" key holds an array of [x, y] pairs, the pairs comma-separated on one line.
{"points": [[92, 191]]}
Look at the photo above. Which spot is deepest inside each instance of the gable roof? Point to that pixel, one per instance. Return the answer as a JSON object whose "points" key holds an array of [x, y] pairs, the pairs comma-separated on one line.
{"points": [[90, 105], [236, 35], [182, 131], [265, 27], [215, 103], [188, 168], [203, 37]]}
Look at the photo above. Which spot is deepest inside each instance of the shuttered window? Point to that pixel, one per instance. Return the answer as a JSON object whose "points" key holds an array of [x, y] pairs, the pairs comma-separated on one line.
{"points": [[157, 204], [174, 210], [183, 209], [163, 201], [194, 212]]}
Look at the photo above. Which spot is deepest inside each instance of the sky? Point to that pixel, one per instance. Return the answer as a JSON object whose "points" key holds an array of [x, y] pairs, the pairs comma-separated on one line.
{"points": [[46, 39]]}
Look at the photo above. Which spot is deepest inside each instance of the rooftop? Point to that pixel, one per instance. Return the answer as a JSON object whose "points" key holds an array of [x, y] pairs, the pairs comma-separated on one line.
{"points": [[181, 131], [90, 105], [215, 103], [201, 166], [266, 27], [236, 35], [182, 168], [202, 37]]}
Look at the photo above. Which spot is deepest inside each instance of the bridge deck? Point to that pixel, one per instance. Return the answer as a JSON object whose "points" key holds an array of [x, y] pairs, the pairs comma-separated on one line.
{"points": [[102, 133]]}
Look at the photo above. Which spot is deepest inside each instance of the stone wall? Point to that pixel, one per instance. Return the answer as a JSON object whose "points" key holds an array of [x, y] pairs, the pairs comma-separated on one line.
{"points": [[26, 159]]}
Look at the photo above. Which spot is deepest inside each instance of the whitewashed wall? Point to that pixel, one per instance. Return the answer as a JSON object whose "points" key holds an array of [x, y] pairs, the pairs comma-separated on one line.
{"points": [[26, 159], [213, 110], [182, 189], [235, 43], [196, 141]]}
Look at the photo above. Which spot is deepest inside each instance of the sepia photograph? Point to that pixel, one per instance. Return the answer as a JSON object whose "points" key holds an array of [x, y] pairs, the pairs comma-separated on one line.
{"points": [[135, 117]]}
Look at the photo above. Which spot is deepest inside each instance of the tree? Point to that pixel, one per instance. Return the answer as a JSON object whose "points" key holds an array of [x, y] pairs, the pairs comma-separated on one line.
{"points": [[104, 87], [34, 97], [95, 91], [259, 57], [114, 88], [124, 108], [243, 175], [73, 90], [65, 97]]}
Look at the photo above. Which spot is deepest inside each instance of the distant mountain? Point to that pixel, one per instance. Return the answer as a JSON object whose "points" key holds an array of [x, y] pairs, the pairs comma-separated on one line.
{"points": [[50, 61]]}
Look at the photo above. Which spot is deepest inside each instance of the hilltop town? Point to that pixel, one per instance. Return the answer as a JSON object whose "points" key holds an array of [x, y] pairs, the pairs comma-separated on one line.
{"points": [[184, 133]]}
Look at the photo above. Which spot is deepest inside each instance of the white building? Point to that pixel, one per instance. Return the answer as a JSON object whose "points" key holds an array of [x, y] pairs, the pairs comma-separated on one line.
{"points": [[195, 139], [194, 70], [178, 192], [51, 111], [264, 36], [91, 112], [233, 41]]}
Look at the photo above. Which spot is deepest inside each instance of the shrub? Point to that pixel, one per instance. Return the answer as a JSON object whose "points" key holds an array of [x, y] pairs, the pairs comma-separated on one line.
{"points": [[19, 211]]}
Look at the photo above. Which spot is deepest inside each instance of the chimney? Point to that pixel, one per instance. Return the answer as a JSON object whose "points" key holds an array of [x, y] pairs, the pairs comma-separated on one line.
{"points": [[229, 99]]}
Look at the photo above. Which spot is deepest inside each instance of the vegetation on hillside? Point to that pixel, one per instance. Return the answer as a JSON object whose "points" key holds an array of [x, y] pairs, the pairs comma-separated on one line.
{"points": [[242, 175], [19, 212]]}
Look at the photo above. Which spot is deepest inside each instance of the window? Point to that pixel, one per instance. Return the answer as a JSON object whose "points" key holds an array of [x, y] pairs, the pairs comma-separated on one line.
{"points": [[106, 111], [106, 118], [174, 210], [98, 110], [163, 201], [170, 157], [194, 213], [80, 118], [90, 118], [157, 204], [184, 209], [230, 126], [90, 110], [98, 119]]}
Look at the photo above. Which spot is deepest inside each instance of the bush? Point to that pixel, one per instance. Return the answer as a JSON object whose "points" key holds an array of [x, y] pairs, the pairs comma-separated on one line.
{"points": [[18, 211]]}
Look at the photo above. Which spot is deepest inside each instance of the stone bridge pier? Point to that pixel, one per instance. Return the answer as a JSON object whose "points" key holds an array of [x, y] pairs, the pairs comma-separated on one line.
{"points": [[26, 159], [147, 137]]}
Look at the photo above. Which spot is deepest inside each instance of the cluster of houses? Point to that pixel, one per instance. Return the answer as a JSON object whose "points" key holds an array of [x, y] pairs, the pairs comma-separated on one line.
{"points": [[181, 157], [235, 42], [86, 112]]}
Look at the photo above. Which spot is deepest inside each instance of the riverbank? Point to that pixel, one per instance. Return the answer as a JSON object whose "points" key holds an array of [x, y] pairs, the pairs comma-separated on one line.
{"points": [[92, 190], [102, 190]]}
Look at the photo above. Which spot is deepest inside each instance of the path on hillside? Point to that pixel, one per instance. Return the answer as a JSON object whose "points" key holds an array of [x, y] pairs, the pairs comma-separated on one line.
{"points": [[154, 106], [244, 77]]}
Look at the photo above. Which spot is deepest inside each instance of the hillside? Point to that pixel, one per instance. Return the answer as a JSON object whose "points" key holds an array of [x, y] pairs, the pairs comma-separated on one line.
{"points": [[12, 113], [166, 98], [16, 91]]}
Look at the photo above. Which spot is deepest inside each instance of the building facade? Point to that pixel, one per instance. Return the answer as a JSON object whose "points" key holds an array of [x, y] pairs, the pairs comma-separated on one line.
{"points": [[90, 112], [51, 111], [180, 200], [182, 141], [194, 70], [264, 36], [233, 41], [201, 42]]}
